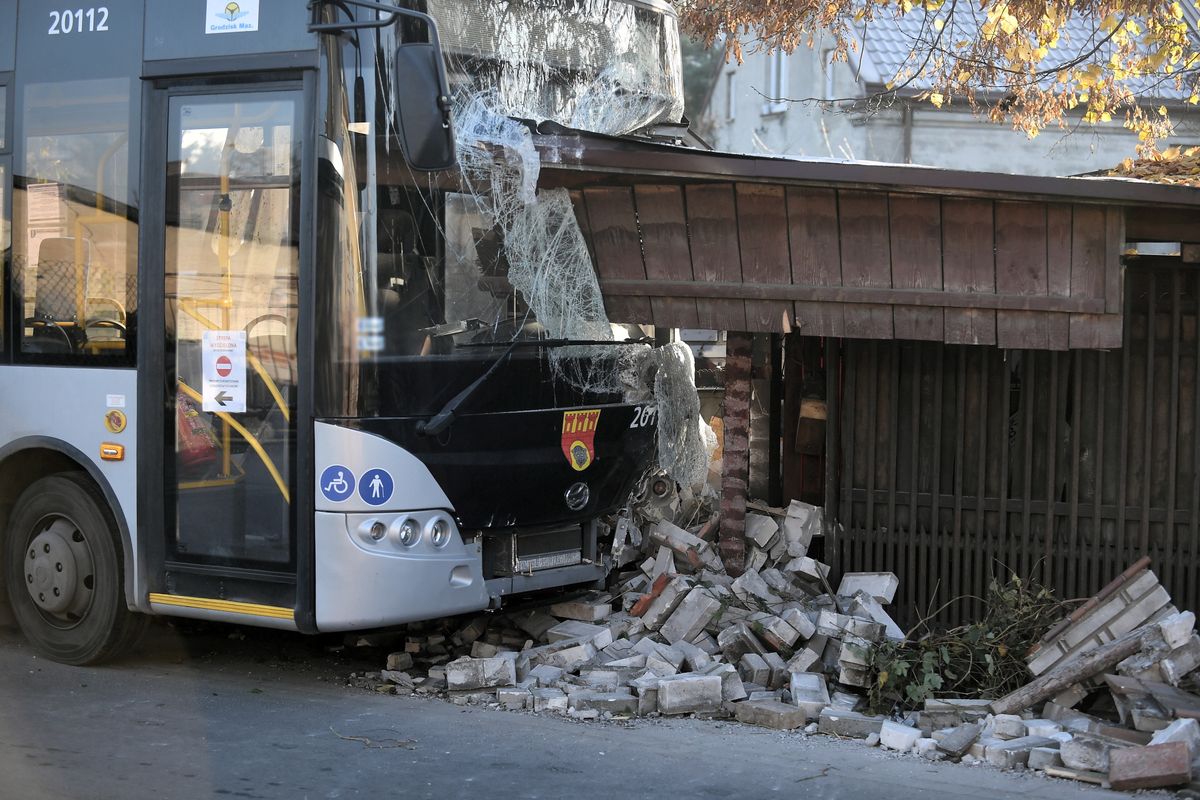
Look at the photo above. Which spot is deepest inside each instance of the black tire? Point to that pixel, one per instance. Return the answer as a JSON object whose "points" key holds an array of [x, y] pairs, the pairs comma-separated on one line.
{"points": [[76, 570]]}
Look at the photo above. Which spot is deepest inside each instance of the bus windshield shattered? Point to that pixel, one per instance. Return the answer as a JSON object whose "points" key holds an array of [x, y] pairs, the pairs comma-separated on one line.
{"points": [[451, 267]]}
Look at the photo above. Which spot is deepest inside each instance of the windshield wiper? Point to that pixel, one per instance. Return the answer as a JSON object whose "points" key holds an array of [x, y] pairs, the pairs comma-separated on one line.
{"points": [[445, 417]]}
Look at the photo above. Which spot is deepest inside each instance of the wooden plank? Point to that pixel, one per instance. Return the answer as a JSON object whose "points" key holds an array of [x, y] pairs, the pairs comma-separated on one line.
{"points": [[665, 247], [816, 257], [1089, 238], [1021, 269], [1114, 241], [763, 236], [617, 248], [969, 267], [866, 259], [916, 247], [1151, 223], [847, 294], [1059, 218], [712, 233]]}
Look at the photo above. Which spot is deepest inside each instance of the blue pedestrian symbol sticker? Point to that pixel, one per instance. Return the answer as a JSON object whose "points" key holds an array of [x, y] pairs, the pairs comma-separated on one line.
{"points": [[337, 483], [375, 486]]}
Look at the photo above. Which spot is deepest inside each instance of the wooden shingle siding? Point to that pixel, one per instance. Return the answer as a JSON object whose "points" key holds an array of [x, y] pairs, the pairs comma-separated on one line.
{"points": [[858, 262]]}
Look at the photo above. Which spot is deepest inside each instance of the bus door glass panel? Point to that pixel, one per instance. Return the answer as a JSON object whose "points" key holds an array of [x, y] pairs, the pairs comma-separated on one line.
{"points": [[232, 257], [75, 238]]}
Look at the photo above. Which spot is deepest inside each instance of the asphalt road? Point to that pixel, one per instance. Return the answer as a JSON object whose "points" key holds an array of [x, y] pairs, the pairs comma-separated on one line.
{"points": [[198, 714]]}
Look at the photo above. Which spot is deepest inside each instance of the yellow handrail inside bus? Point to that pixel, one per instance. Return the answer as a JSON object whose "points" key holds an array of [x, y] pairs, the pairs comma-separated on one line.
{"points": [[250, 440], [191, 306]]}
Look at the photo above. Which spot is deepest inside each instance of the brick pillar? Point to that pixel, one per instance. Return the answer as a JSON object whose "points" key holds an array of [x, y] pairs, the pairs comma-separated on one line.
{"points": [[735, 464]]}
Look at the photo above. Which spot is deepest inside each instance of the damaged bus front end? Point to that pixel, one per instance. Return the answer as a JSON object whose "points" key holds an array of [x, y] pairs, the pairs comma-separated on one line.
{"points": [[477, 413]]}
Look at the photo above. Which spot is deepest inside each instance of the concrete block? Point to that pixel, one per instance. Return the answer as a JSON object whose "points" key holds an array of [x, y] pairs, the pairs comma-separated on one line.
{"points": [[894, 736], [879, 585], [737, 640], [809, 693], [692, 551], [925, 746], [1042, 757], [753, 669], [849, 724], [1181, 661], [534, 622], [778, 582], [1012, 753], [400, 661], [635, 662], [776, 633], [756, 558], [802, 523], [1041, 727], [979, 748], [514, 699], [1088, 752], [767, 694], [599, 636], [612, 702], [690, 694], [844, 701], [770, 714], [708, 643], [571, 658], [472, 698], [1008, 726], [761, 529], [808, 659], [664, 564], [1177, 628], [750, 587], [801, 621], [694, 659], [483, 649], [1181, 730], [808, 570], [866, 605], [664, 652], [697, 608], [959, 740], [661, 607], [480, 673], [854, 676], [854, 652], [779, 672], [732, 688], [1071, 696], [1154, 767]]}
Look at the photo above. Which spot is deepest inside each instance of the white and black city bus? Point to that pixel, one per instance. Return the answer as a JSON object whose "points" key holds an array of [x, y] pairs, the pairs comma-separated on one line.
{"points": [[239, 379]]}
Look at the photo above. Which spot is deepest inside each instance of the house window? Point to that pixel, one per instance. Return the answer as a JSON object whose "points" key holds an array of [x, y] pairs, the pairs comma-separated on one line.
{"points": [[730, 96], [777, 87]]}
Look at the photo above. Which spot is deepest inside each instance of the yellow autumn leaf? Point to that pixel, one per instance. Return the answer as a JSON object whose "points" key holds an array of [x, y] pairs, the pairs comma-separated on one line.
{"points": [[936, 98]]}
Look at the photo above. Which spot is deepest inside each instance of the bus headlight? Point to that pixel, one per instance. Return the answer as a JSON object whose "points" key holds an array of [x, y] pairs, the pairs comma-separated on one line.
{"points": [[439, 532], [378, 530], [408, 532]]}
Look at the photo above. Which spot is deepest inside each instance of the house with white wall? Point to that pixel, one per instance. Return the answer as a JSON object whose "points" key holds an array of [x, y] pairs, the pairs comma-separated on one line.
{"points": [[808, 104]]}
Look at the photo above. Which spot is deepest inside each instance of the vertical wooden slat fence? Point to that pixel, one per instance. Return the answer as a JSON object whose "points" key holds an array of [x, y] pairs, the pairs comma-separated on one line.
{"points": [[957, 462]]}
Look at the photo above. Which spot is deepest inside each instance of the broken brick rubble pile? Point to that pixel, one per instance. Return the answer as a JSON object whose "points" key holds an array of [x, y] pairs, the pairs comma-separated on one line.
{"points": [[676, 634], [1110, 699]]}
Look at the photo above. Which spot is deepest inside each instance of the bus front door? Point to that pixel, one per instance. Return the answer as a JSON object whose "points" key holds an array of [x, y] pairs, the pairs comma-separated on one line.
{"points": [[231, 260]]}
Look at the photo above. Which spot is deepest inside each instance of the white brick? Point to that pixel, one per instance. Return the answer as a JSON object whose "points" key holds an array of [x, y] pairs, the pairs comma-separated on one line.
{"points": [[880, 585], [898, 737]]}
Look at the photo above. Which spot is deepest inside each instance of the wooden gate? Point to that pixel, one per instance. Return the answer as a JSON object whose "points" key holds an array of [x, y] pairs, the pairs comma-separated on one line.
{"points": [[958, 462]]}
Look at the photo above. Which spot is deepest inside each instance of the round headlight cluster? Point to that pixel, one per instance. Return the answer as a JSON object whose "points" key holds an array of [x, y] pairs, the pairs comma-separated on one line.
{"points": [[439, 532], [378, 530], [408, 532]]}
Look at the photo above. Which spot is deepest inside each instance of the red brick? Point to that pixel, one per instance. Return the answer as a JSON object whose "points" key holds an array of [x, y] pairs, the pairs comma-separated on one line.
{"points": [[1152, 767], [643, 603]]}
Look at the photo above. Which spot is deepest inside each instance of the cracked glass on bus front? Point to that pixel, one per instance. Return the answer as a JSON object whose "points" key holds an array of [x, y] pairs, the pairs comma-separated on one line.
{"points": [[232, 258]]}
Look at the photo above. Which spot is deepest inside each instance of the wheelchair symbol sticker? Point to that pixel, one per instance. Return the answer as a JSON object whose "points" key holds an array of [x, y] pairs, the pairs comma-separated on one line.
{"points": [[337, 483], [375, 487]]}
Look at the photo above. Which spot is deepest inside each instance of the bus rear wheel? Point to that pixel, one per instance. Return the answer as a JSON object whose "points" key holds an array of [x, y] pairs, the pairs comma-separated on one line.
{"points": [[63, 570]]}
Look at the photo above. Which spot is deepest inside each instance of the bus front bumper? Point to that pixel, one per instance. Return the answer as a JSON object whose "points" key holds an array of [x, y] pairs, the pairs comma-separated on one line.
{"points": [[368, 582]]}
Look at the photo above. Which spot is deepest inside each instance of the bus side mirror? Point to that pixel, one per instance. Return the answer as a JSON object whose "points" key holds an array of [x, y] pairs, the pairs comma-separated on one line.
{"points": [[423, 107]]}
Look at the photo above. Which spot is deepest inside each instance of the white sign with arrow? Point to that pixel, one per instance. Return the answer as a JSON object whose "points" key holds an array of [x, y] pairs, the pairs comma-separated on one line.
{"points": [[224, 371]]}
